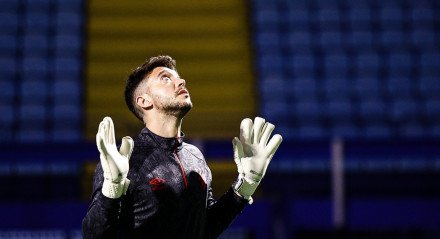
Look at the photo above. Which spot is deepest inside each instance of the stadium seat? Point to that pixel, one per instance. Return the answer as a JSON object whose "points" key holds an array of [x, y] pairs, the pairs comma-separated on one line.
{"points": [[391, 18], [37, 22], [36, 45], [68, 45], [69, 23], [8, 45], [34, 92], [367, 64], [9, 21]]}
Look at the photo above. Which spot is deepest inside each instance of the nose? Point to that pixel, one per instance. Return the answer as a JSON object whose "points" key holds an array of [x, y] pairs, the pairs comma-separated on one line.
{"points": [[180, 82]]}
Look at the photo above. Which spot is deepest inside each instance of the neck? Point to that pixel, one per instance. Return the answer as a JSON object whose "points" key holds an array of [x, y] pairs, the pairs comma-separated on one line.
{"points": [[167, 126]]}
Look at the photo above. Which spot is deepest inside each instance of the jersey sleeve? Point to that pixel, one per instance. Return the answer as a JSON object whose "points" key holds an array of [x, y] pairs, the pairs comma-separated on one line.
{"points": [[101, 220]]}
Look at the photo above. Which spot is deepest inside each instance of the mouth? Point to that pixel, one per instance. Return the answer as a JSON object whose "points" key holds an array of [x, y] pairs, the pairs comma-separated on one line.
{"points": [[182, 91]]}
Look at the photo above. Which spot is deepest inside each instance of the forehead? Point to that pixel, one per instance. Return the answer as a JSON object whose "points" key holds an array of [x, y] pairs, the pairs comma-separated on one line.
{"points": [[161, 70]]}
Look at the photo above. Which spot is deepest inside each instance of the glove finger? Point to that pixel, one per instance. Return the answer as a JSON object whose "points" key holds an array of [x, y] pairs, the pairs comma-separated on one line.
{"points": [[273, 145], [99, 138], [238, 152], [257, 127], [246, 130], [267, 130], [110, 131], [127, 146]]}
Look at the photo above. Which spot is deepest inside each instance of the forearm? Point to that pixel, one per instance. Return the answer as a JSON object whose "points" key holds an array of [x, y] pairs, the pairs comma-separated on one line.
{"points": [[102, 218], [221, 213]]}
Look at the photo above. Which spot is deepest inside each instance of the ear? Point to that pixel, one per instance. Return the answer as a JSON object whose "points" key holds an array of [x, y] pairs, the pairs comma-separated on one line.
{"points": [[144, 101]]}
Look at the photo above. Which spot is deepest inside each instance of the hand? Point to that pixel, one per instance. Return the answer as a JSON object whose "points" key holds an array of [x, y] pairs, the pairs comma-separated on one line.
{"points": [[114, 163], [253, 153]]}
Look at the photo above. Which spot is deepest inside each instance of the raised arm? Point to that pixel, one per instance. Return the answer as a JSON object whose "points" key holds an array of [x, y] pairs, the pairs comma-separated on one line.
{"points": [[110, 183]]}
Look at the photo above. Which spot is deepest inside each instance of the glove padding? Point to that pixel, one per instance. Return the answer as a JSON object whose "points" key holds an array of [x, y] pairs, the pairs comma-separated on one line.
{"points": [[253, 153], [114, 163]]}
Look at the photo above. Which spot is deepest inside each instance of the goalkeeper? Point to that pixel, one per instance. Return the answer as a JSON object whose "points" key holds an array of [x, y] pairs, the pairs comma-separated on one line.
{"points": [[158, 186]]}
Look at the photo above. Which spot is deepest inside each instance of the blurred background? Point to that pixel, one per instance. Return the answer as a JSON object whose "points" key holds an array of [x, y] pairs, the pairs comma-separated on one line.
{"points": [[353, 87]]}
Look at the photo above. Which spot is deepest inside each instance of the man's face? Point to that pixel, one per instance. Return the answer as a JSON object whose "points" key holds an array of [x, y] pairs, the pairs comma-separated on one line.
{"points": [[168, 92]]}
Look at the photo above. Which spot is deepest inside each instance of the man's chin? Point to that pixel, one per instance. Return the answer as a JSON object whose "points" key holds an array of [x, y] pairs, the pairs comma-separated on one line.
{"points": [[179, 110]]}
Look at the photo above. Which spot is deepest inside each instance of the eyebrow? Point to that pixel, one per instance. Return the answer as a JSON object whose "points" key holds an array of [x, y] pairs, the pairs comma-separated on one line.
{"points": [[161, 73], [164, 72]]}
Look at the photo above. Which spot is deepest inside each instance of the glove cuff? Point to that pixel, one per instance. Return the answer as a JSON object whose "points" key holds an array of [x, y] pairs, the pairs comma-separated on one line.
{"points": [[245, 188], [115, 190]]}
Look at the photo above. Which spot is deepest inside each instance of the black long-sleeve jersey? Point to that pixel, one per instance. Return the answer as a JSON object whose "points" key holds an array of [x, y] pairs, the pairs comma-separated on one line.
{"points": [[169, 196]]}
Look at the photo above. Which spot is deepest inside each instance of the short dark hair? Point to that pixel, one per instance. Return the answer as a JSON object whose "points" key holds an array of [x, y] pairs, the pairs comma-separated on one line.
{"points": [[139, 74]]}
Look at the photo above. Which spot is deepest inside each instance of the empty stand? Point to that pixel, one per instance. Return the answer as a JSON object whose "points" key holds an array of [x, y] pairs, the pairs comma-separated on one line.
{"points": [[371, 65]]}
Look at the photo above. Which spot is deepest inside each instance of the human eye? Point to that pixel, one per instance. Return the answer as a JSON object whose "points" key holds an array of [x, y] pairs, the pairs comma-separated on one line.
{"points": [[165, 78]]}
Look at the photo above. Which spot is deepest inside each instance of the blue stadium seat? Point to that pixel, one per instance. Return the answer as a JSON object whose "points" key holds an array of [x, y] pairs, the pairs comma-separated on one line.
{"points": [[66, 111], [266, 18], [6, 114], [329, 18], [336, 65], [275, 109], [404, 109], [35, 113], [367, 87], [361, 39], [430, 63], [66, 135], [37, 23], [8, 22], [377, 130], [298, 18], [267, 40], [432, 109], [429, 86], [400, 64], [8, 67], [38, 5], [422, 17], [393, 39], [400, 87], [303, 87], [303, 65], [360, 18], [308, 110], [391, 18], [65, 91], [339, 109], [310, 131], [69, 23], [69, 6], [367, 64], [270, 65], [8, 92], [335, 87], [35, 90], [32, 135], [9, 6], [413, 130], [345, 130], [68, 46], [34, 67], [299, 40], [424, 39], [36, 44], [435, 130], [8, 45], [70, 65], [373, 109], [332, 40]]}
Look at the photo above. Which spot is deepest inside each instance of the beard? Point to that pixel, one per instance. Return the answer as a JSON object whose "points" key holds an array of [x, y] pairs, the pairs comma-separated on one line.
{"points": [[171, 106]]}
